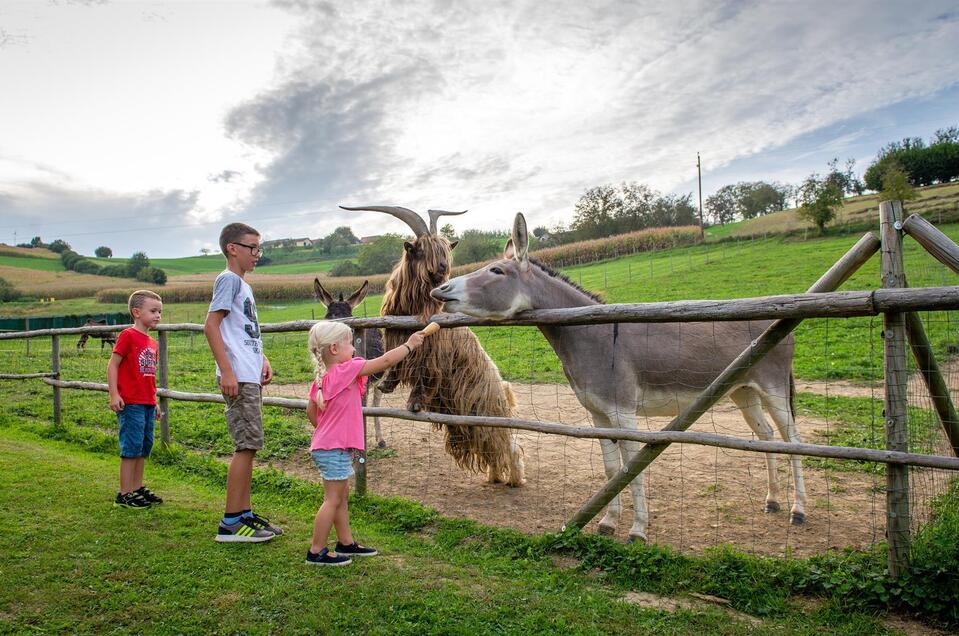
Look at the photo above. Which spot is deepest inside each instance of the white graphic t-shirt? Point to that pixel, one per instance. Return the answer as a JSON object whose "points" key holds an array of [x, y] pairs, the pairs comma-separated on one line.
{"points": [[240, 329]]}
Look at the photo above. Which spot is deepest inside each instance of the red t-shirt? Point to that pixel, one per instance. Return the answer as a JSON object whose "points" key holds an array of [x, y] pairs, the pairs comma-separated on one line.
{"points": [[136, 377]]}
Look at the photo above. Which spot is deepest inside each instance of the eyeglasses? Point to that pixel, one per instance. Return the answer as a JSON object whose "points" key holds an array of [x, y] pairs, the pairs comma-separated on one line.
{"points": [[255, 250]]}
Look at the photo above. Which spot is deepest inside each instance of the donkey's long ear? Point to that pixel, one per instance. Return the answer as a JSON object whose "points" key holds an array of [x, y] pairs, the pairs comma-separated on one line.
{"points": [[509, 251], [357, 297], [520, 241], [321, 293]]}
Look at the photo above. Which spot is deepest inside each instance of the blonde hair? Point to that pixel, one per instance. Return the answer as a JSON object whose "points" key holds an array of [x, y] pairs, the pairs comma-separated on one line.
{"points": [[323, 334], [136, 299]]}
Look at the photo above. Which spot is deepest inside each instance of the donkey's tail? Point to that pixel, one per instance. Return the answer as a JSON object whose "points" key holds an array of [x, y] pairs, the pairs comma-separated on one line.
{"points": [[792, 395]]}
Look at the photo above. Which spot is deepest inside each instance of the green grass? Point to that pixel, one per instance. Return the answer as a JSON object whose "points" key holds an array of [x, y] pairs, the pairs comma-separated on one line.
{"points": [[32, 262], [90, 567], [176, 266]]}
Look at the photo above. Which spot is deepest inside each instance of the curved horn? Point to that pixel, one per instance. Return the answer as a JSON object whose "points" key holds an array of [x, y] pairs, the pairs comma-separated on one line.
{"points": [[435, 214], [411, 218]]}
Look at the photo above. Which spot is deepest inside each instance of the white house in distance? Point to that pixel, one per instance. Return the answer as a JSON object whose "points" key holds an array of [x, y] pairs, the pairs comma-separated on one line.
{"points": [[288, 242]]}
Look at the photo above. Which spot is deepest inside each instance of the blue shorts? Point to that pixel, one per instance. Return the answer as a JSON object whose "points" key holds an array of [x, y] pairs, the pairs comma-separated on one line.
{"points": [[334, 465], [136, 429]]}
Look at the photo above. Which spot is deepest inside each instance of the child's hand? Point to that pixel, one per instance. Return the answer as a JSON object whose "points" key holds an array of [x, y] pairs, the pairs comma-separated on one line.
{"points": [[116, 403], [228, 384], [415, 340], [267, 374]]}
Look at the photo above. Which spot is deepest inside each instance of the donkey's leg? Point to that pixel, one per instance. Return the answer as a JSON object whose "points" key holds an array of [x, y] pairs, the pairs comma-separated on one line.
{"points": [[749, 402], [612, 465], [377, 396], [637, 487], [781, 411]]}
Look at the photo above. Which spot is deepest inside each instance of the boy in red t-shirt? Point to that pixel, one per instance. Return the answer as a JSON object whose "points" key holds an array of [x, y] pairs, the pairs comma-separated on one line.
{"points": [[131, 375]]}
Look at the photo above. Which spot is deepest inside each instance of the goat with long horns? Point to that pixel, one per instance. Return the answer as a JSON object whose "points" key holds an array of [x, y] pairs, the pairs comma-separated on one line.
{"points": [[451, 373]]}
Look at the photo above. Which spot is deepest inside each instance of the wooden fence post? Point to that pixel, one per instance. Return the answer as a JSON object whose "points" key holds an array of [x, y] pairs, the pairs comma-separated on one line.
{"points": [[26, 327], [359, 485], [163, 379], [896, 381], [55, 369]]}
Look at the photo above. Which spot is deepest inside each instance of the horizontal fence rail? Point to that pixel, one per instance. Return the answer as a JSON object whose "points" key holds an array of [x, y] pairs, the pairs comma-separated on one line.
{"points": [[537, 426], [848, 304]]}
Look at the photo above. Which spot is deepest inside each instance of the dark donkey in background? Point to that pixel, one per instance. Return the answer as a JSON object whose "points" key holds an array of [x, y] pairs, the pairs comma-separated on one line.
{"points": [[109, 337], [368, 342], [622, 370]]}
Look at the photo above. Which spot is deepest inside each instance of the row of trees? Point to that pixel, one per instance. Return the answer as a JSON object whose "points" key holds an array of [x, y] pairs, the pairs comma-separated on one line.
{"points": [[137, 267], [607, 209], [925, 164]]}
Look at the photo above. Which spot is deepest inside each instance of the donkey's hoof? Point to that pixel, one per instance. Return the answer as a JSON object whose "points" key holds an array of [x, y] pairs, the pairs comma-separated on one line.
{"points": [[797, 518], [772, 506], [606, 529], [636, 538], [381, 444], [516, 484]]}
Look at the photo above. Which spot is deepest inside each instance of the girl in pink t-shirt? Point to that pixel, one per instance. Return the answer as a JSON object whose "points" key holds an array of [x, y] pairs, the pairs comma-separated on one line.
{"points": [[336, 412]]}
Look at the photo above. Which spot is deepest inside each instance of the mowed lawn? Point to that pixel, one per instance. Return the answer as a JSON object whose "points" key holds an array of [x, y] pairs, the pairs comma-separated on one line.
{"points": [[74, 563]]}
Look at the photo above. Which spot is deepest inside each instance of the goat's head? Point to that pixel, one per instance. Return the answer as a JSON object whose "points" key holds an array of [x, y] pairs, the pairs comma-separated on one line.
{"points": [[340, 308], [428, 257]]}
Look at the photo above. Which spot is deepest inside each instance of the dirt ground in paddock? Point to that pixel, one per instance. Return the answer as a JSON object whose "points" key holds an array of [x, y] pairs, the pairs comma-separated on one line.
{"points": [[697, 496]]}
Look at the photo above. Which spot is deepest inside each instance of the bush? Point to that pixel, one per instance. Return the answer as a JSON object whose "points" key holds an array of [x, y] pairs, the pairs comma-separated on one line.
{"points": [[137, 262], [381, 255], [7, 291], [117, 271], [476, 246], [152, 275], [86, 266], [346, 268], [59, 246]]}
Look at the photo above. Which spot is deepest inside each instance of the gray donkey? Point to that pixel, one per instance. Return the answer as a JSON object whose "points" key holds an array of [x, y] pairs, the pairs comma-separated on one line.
{"points": [[619, 371], [368, 342]]}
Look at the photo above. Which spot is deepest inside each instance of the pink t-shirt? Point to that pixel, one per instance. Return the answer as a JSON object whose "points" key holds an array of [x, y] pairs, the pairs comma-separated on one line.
{"points": [[340, 424]]}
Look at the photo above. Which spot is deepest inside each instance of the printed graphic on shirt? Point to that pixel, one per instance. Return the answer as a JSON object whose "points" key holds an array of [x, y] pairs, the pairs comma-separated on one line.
{"points": [[249, 310], [147, 361]]}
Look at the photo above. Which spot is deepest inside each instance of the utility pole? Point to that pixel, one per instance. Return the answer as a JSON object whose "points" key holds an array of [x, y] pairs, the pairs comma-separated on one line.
{"points": [[699, 171]]}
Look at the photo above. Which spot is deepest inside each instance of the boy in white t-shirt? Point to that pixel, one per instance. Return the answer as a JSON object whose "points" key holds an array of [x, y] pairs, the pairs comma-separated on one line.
{"points": [[233, 332]]}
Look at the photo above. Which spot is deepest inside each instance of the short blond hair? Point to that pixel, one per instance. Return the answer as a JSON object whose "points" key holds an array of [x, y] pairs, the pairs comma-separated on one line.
{"points": [[136, 299]]}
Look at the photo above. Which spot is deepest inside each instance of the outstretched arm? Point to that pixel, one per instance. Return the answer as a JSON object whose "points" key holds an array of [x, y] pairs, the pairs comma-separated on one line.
{"points": [[393, 356]]}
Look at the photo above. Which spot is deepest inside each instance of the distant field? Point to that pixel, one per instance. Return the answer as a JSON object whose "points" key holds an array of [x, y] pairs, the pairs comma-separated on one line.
{"points": [[177, 266], [32, 262]]}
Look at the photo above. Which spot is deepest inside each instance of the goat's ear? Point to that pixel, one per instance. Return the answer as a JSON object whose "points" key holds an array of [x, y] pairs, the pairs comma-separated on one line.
{"points": [[453, 245], [409, 247], [321, 293], [357, 297], [520, 241]]}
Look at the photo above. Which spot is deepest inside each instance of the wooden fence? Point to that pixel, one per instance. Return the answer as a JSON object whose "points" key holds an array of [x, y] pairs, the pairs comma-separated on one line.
{"points": [[895, 301]]}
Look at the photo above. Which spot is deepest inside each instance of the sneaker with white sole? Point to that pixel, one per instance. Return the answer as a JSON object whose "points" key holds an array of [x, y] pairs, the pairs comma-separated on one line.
{"points": [[264, 524], [355, 550], [325, 558], [132, 500], [149, 495], [243, 531]]}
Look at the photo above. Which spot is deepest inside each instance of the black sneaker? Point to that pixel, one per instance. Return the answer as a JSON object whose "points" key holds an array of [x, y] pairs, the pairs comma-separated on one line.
{"points": [[325, 558], [264, 523], [355, 550], [131, 500], [242, 532], [150, 496]]}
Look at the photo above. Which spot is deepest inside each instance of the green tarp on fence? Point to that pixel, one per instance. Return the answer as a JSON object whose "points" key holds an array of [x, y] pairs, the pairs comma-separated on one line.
{"points": [[60, 322]]}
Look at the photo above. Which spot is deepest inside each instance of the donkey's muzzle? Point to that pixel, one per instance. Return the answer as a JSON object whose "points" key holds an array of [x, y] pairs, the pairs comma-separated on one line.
{"points": [[443, 293]]}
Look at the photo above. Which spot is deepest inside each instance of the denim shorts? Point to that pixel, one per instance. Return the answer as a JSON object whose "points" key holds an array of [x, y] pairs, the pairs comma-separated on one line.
{"points": [[335, 464], [136, 429]]}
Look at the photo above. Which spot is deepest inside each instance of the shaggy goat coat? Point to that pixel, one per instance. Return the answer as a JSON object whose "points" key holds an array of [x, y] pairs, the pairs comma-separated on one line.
{"points": [[451, 373]]}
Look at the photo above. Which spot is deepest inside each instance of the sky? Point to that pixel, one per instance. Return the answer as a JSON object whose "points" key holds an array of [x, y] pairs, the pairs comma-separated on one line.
{"points": [[147, 126]]}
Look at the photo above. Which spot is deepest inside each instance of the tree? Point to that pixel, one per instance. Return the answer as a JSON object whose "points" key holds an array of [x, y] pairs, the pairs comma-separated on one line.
{"points": [[595, 211], [721, 207], [896, 186], [36, 241], [756, 198], [103, 252], [845, 179], [59, 246], [819, 197], [151, 275], [205, 251], [345, 268], [381, 255], [476, 246], [448, 232], [137, 262]]}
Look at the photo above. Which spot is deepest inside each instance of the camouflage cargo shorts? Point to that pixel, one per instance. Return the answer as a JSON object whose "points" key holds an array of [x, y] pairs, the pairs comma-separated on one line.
{"points": [[244, 417]]}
